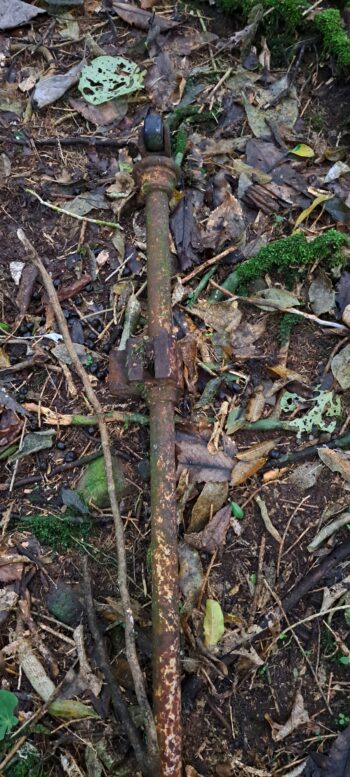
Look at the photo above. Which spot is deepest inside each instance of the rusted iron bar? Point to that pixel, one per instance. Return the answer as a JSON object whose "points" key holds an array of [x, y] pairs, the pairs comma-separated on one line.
{"points": [[153, 363]]}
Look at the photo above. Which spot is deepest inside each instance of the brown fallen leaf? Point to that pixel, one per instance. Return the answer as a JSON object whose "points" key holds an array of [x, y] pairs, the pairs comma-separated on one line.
{"points": [[11, 567], [193, 454], [162, 81], [220, 316], [246, 469], [250, 461], [245, 338], [298, 717], [10, 427], [142, 19], [256, 404], [257, 450], [213, 536], [25, 289], [210, 500], [188, 351], [71, 289], [336, 461], [280, 371], [225, 224], [112, 111]]}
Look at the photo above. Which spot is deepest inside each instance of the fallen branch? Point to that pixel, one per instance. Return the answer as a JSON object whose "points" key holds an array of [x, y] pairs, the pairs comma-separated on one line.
{"points": [[111, 224], [150, 730], [119, 705], [264, 303], [65, 419]]}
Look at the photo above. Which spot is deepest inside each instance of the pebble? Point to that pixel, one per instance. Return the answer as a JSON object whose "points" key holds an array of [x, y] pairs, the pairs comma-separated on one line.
{"points": [[70, 456], [61, 445]]}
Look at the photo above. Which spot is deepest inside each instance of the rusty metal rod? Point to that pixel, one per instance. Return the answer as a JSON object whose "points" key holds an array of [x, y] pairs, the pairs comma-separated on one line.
{"points": [[158, 179]]}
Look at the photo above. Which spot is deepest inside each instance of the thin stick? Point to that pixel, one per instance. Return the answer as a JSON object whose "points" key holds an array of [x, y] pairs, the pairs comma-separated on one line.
{"points": [[118, 524], [119, 705], [275, 306], [208, 263], [111, 224]]}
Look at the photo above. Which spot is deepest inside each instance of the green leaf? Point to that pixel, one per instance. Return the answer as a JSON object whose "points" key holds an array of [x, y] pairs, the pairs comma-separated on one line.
{"points": [[213, 622], [4, 327], [345, 660], [107, 78], [8, 702], [303, 150], [71, 709], [237, 511]]}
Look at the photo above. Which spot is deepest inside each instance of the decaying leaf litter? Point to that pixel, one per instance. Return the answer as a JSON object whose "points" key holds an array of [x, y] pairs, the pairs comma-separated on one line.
{"points": [[261, 311]]}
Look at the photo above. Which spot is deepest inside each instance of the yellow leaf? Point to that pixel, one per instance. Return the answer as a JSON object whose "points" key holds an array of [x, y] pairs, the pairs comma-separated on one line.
{"points": [[257, 450], [70, 708], [213, 622], [303, 150], [305, 213], [4, 359]]}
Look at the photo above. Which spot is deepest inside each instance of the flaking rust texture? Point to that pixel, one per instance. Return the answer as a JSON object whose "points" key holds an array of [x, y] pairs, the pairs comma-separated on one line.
{"points": [[158, 177]]}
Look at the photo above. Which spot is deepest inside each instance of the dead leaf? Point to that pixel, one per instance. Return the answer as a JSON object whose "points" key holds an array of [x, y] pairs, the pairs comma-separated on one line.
{"points": [[210, 500], [112, 111], [336, 461], [11, 567], [256, 404], [69, 290], [280, 371], [221, 316], [4, 359], [8, 600], [225, 224], [336, 764], [34, 670], [213, 536], [298, 717], [305, 476], [250, 462], [161, 82], [142, 19], [185, 233], [51, 88], [26, 286], [16, 13], [193, 454], [10, 427], [188, 350], [244, 339], [340, 367], [10, 404], [257, 450], [190, 575]]}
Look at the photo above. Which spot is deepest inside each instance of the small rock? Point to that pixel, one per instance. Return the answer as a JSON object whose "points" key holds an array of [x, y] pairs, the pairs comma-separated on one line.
{"points": [[65, 604], [92, 486]]}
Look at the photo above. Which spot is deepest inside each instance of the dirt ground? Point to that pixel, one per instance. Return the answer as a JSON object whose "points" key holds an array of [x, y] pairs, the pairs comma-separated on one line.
{"points": [[233, 702]]}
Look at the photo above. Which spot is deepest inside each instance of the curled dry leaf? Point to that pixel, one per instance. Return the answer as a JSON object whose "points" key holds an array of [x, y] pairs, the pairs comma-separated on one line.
{"points": [[225, 224], [213, 537], [251, 461], [336, 461], [50, 89], [298, 717], [210, 500], [142, 19], [190, 575]]}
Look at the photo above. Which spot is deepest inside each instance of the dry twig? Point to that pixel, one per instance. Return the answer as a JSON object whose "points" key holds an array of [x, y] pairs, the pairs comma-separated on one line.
{"points": [[130, 645]]}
